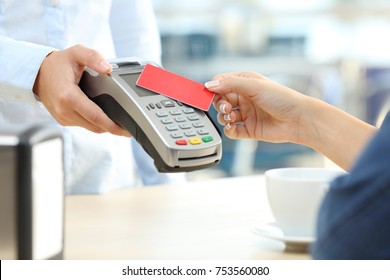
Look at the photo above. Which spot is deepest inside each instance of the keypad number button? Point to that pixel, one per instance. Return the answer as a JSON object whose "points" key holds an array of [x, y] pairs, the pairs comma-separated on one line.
{"points": [[193, 117], [203, 131], [189, 133], [166, 120], [188, 110], [185, 126], [162, 114], [180, 119], [176, 135], [198, 124], [172, 127]]}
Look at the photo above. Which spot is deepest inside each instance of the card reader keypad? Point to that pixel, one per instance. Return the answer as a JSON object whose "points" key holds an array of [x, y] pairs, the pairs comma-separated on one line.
{"points": [[184, 124]]}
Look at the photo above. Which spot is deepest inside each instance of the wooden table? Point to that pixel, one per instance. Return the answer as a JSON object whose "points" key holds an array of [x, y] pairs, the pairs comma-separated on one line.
{"points": [[199, 220]]}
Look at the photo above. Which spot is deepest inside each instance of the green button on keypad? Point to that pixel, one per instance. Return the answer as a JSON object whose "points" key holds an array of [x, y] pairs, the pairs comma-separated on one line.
{"points": [[207, 138]]}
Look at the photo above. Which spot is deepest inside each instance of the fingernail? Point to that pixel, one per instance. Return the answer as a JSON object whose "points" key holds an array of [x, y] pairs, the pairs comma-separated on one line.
{"points": [[222, 108], [228, 126], [105, 66], [227, 117], [212, 84]]}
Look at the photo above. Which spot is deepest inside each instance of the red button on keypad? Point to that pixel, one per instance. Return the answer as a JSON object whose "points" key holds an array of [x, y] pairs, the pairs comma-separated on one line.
{"points": [[181, 142]]}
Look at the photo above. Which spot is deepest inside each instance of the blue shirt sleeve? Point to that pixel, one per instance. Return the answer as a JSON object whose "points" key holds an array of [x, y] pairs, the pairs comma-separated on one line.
{"points": [[354, 220], [20, 62]]}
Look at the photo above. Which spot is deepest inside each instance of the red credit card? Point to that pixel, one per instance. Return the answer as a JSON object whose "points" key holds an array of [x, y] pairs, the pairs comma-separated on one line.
{"points": [[176, 87]]}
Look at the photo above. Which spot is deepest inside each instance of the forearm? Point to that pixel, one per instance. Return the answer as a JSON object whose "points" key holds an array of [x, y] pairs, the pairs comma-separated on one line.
{"points": [[334, 133], [20, 62]]}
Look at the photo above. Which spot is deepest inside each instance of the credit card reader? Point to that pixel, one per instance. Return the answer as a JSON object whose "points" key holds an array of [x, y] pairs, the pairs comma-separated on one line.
{"points": [[178, 137]]}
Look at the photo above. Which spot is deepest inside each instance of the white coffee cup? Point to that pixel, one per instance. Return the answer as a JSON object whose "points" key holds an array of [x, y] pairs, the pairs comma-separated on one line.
{"points": [[295, 194]]}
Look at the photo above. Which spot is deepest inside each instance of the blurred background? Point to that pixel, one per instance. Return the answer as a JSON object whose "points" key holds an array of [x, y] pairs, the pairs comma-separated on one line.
{"points": [[336, 50]]}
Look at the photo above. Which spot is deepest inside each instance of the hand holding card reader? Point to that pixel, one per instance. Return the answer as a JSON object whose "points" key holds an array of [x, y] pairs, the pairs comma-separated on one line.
{"points": [[178, 137]]}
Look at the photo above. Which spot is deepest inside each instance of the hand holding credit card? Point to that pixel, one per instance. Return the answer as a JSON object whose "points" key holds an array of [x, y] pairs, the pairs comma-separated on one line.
{"points": [[176, 87]]}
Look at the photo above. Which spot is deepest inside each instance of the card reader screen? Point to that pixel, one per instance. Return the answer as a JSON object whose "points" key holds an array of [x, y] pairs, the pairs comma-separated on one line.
{"points": [[131, 79]]}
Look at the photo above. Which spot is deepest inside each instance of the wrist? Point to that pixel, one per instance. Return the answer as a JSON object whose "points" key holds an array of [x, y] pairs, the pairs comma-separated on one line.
{"points": [[313, 123], [36, 86], [334, 133]]}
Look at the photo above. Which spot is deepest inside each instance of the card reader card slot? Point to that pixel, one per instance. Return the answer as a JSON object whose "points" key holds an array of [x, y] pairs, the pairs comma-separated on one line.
{"points": [[197, 158]]}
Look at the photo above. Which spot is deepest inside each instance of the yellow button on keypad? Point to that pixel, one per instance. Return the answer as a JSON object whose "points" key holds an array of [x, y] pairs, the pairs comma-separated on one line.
{"points": [[195, 141]]}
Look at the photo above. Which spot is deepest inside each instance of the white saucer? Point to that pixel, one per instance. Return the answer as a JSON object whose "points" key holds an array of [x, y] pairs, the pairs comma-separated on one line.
{"points": [[293, 243]]}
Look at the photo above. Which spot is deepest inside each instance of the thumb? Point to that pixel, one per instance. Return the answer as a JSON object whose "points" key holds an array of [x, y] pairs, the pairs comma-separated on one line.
{"points": [[84, 56]]}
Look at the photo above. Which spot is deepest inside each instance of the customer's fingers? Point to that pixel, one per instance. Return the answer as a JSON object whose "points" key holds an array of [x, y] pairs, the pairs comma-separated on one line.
{"points": [[239, 74], [223, 106], [236, 131], [223, 119], [245, 87], [225, 103]]}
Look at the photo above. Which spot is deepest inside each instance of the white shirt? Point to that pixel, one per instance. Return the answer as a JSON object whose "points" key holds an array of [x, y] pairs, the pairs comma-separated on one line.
{"points": [[30, 29]]}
